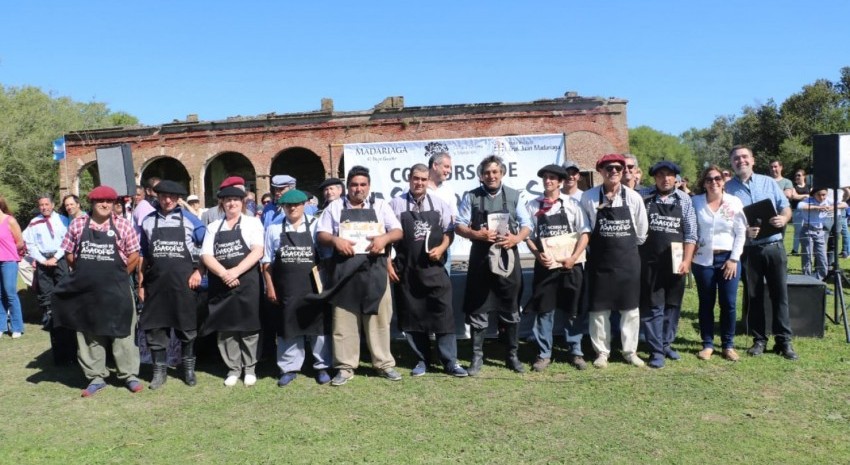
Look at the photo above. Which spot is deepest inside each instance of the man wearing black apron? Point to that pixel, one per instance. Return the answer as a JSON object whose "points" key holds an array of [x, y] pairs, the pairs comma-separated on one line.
{"points": [[494, 276], [95, 298], [423, 290], [359, 285], [617, 217], [672, 220], [557, 286], [169, 274], [288, 262], [231, 253]]}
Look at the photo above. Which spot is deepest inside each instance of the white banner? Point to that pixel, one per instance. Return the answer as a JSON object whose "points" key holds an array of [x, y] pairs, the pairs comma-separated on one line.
{"points": [[389, 164]]}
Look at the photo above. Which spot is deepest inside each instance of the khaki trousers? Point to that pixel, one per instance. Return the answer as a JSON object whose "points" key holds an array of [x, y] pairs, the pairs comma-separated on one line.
{"points": [[600, 331], [91, 355], [346, 336]]}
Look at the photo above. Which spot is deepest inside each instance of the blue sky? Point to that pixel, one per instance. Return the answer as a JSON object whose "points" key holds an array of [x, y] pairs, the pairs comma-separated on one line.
{"points": [[679, 63]]}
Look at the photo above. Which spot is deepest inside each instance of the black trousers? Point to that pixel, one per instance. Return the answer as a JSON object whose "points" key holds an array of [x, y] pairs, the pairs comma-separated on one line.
{"points": [[158, 338], [47, 277], [766, 265]]}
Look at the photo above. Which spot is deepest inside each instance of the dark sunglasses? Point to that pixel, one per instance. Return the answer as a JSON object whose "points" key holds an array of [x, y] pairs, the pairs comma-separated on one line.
{"points": [[266, 202], [714, 179], [614, 168], [630, 167]]}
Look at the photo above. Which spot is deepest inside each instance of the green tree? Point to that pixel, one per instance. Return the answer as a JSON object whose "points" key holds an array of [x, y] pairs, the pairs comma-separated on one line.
{"points": [[651, 146], [29, 122]]}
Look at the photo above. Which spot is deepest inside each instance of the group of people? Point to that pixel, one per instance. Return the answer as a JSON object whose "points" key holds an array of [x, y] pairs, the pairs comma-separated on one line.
{"points": [[322, 275]]}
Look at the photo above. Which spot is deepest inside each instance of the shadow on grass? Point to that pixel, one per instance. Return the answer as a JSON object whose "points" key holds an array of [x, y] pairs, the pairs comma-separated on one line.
{"points": [[67, 373]]}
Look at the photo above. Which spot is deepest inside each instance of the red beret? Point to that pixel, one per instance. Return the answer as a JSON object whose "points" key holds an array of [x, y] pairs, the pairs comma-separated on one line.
{"points": [[232, 181], [611, 157], [103, 193]]}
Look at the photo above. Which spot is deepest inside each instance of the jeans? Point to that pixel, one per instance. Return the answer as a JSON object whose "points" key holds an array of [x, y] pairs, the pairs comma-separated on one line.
{"points": [[845, 234], [813, 250], [573, 332], [420, 343], [660, 326], [711, 286], [11, 302]]}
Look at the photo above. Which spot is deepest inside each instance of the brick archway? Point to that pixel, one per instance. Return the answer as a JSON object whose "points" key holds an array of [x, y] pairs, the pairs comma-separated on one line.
{"points": [[223, 165], [166, 167], [303, 165]]}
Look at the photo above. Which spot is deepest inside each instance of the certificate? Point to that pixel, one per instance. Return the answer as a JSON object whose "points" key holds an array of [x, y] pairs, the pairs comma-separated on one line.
{"points": [[359, 232], [678, 253], [558, 248], [499, 222]]}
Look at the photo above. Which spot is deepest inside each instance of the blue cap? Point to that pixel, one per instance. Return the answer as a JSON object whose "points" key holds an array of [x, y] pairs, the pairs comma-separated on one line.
{"points": [[665, 165]]}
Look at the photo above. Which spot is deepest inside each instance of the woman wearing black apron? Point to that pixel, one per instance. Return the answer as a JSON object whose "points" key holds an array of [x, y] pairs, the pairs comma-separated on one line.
{"points": [[232, 248], [618, 217], [423, 290], [288, 263], [558, 288], [96, 299]]}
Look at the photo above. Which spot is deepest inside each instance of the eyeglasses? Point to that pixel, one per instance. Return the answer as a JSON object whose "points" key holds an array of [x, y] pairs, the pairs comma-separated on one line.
{"points": [[714, 179], [630, 167], [266, 202], [614, 168]]}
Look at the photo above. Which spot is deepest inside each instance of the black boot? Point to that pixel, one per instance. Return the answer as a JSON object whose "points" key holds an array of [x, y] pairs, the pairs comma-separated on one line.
{"points": [[477, 351], [512, 339], [189, 363], [160, 369]]}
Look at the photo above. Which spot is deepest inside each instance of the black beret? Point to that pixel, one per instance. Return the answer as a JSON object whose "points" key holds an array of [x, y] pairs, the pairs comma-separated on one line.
{"points": [[170, 187], [231, 191], [331, 182], [557, 170]]}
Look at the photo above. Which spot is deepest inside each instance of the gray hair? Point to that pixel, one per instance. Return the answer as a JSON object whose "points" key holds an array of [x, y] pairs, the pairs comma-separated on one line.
{"points": [[489, 160]]}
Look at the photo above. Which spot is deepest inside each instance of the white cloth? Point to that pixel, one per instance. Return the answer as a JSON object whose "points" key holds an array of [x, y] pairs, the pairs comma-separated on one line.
{"points": [[446, 192], [725, 229], [40, 239], [251, 228], [575, 215]]}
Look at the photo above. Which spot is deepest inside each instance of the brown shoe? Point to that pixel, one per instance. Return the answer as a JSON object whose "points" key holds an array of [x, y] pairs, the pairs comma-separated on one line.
{"points": [[705, 354], [540, 364], [731, 355]]}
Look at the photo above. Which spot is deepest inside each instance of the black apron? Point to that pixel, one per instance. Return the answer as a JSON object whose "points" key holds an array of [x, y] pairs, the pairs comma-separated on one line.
{"points": [[486, 291], [169, 302], [292, 275], [357, 283], [661, 287], [558, 288], [238, 308], [424, 291], [95, 298], [614, 263]]}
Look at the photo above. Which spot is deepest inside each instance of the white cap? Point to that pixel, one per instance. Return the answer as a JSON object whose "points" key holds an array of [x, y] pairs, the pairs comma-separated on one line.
{"points": [[193, 198]]}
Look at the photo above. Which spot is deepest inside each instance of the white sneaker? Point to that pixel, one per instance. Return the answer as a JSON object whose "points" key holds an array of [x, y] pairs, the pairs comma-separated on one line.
{"points": [[231, 380], [601, 362], [250, 380], [634, 360], [16, 335]]}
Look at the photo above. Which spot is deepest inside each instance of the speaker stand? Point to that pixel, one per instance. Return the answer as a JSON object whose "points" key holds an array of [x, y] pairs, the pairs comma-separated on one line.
{"points": [[837, 275]]}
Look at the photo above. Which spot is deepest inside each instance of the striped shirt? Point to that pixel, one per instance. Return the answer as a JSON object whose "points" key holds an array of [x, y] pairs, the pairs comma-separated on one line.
{"points": [[127, 242]]}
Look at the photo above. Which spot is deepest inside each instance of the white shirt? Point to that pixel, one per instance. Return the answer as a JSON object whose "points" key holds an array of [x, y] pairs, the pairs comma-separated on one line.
{"points": [[446, 192], [725, 229], [590, 202], [251, 228], [575, 215]]}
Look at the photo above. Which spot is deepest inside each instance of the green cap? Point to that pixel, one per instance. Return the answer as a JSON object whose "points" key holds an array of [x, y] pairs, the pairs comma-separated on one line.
{"points": [[293, 196]]}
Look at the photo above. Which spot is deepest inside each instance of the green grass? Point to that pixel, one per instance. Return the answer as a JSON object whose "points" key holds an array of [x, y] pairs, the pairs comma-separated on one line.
{"points": [[759, 410]]}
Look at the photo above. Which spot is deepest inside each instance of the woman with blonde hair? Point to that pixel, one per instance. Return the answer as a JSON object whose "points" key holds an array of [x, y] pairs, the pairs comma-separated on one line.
{"points": [[11, 246], [721, 232]]}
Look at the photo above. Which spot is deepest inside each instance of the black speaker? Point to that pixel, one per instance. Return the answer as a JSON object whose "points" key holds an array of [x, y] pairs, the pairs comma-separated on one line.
{"points": [[115, 168], [806, 306], [831, 164]]}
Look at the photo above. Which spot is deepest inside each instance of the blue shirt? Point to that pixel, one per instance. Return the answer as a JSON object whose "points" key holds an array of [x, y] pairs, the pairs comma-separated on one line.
{"points": [[756, 189], [689, 217]]}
